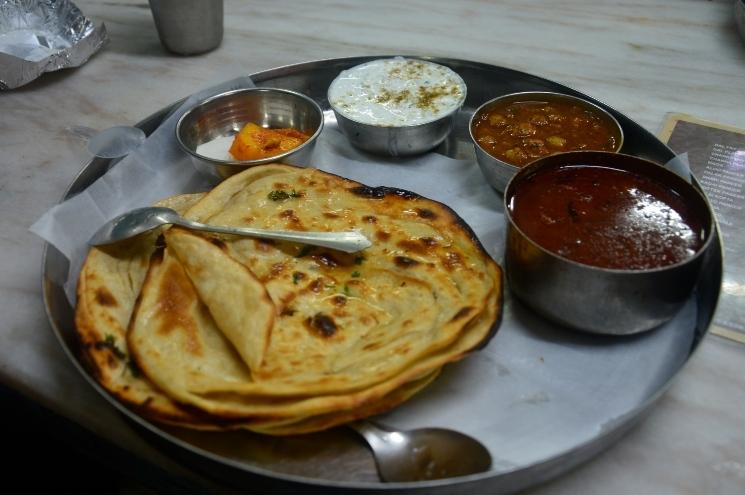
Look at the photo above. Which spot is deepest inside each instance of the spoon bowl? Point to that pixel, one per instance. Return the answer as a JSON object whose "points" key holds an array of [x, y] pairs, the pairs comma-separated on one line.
{"points": [[142, 220], [423, 454]]}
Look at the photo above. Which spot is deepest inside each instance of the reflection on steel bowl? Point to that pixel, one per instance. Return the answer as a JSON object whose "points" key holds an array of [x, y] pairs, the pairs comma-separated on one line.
{"points": [[604, 242], [208, 130], [397, 106], [513, 130]]}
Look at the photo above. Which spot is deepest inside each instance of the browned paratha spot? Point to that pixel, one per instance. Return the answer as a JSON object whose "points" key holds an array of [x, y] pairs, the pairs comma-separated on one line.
{"points": [[330, 214], [281, 185], [426, 213], [370, 219], [367, 320], [264, 245], [105, 298], [114, 351], [404, 349], [288, 298], [176, 296], [317, 285], [452, 261], [419, 246], [382, 235], [411, 245], [219, 243], [326, 259], [372, 346], [404, 262], [287, 311], [463, 312], [290, 216], [339, 300], [277, 269], [382, 192], [322, 325], [249, 219]]}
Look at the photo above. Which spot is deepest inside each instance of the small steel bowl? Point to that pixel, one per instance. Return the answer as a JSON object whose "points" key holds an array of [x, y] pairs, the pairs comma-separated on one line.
{"points": [[392, 140], [225, 114], [498, 172], [396, 141], [602, 300]]}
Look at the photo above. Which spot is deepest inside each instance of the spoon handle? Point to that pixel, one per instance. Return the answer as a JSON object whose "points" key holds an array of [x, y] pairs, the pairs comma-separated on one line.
{"points": [[349, 242]]}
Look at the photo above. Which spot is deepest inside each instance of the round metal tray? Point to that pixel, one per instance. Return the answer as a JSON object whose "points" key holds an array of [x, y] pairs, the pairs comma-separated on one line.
{"points": [[543, 399]]}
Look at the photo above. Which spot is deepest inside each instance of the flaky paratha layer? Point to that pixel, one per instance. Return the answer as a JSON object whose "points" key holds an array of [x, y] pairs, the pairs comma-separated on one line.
{"points": [[346, 322]]}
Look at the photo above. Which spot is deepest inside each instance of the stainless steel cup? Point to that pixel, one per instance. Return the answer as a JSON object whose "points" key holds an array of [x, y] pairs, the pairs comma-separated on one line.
{"points": [[740, 17], [188, 27]]}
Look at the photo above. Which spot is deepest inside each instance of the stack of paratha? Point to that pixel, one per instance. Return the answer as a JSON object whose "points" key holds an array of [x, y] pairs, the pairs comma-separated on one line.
{"points": [[219, 332]]}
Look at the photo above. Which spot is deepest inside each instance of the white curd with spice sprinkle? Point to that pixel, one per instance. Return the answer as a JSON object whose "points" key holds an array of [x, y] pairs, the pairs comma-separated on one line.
{"points": [[397, 92]]}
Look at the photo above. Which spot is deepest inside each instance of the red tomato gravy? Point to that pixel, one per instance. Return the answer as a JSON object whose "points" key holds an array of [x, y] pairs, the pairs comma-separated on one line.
{"points": [[606, 217]]}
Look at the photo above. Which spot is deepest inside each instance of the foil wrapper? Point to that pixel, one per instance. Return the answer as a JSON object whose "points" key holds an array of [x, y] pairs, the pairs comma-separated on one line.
{"points": [[38, 36]]}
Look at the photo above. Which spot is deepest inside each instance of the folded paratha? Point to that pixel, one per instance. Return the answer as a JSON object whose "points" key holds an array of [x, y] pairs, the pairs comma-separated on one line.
{"points": [[109, 284]]}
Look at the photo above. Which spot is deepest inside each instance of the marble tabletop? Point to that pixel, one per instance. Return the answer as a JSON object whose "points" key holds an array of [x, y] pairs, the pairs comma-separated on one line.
{"points": [[643, 58]]}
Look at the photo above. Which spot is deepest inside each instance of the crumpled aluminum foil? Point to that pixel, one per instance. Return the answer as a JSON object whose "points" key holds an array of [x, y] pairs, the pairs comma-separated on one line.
{"points": [[38, 36]]}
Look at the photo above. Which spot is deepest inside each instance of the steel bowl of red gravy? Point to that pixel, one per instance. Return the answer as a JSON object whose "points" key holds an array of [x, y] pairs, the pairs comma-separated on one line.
{"points": [[604, 242]]}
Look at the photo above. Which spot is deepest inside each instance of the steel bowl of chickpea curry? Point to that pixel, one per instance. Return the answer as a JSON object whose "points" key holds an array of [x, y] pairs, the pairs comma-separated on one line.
{"points": [[513, 130]]}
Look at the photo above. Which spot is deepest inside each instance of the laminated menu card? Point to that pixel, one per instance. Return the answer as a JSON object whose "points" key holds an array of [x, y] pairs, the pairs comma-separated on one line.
{"points": [[717, 159]]}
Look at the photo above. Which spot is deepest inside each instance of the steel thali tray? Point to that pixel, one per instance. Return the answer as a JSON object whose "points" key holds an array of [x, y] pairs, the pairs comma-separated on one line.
{"points": [[543, 399]]}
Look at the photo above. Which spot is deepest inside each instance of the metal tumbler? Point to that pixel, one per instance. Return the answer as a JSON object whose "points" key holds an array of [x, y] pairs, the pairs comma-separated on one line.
{"points": [[188, 27]]}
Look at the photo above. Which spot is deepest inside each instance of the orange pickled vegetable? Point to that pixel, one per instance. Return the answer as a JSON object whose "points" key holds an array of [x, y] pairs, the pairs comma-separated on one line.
{"points": [[254, 142]]}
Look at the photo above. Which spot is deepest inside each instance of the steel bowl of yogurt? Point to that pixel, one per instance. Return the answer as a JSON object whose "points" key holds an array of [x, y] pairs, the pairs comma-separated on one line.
{"points": [[397, 106]]}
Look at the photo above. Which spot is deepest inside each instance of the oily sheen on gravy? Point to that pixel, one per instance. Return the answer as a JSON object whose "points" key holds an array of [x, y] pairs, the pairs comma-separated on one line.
{"points": [[606, 217]]}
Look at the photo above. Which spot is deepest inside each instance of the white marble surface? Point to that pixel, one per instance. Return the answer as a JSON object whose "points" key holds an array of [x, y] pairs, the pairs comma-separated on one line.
{"points": [[645, 58]]}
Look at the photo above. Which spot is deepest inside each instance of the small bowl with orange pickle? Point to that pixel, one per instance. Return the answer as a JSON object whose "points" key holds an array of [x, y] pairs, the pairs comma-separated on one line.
{"points": [[242, 128], [513, 130], [604, 242]]}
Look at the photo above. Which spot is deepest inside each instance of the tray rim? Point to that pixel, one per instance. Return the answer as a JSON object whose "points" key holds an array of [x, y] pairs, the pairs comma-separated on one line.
{"points": [[517, 478]]}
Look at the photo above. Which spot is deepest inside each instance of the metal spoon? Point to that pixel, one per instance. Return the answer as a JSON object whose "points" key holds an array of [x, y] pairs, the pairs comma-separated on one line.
{"points": [[142, 220], [423, 454]]}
